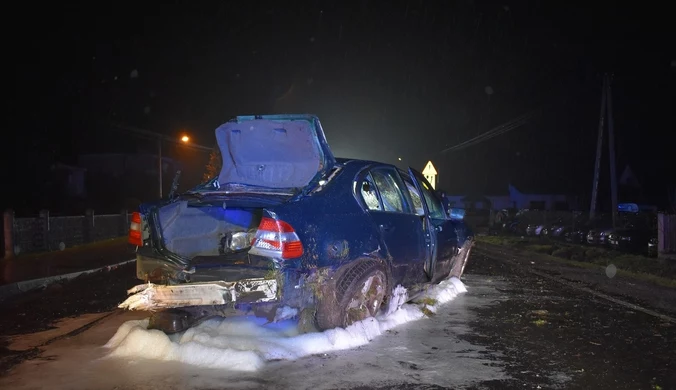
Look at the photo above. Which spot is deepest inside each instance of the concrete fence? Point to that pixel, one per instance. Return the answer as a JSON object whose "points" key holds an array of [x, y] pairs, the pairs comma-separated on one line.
{"points": [[47, 233]]}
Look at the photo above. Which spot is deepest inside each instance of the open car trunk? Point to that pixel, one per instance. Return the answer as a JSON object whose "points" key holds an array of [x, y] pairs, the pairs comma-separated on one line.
{"points": [[273, 151], [198, 231], [213, 236]]}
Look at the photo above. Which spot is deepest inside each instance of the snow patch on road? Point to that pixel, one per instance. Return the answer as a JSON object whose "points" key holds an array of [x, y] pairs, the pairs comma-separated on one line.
{"points": [[246, 343]]}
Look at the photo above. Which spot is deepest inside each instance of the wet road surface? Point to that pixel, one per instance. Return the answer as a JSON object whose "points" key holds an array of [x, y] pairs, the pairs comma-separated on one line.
{"points": [[552, 336], [511, 330]]}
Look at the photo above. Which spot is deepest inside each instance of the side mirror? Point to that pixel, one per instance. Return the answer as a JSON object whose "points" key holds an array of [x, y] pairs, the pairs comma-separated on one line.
{"points": [[456, 213]]}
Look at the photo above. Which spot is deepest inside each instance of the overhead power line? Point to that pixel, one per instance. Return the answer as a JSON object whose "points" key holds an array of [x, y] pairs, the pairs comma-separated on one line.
{"points": [[496, 131]]}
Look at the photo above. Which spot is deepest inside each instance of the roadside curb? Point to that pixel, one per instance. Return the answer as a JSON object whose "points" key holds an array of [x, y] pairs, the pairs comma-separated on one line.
{"points": [[16, 288]]}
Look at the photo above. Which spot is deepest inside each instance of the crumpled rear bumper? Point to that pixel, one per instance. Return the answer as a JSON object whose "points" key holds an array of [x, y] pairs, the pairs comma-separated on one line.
{"points": [[151, 297]]}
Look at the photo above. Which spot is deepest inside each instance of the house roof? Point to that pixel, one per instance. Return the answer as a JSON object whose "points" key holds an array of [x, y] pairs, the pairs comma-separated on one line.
{"points": [[477, 190], [67, 167], [544, 187], [628, 178]]}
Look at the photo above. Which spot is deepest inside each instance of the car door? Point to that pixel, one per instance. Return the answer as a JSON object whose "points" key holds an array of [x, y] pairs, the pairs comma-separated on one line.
{"points": [[400, 229], [441, 236]]}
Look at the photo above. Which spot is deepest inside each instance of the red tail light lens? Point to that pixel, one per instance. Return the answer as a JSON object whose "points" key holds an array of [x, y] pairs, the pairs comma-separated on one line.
{"points": [[135, 235], [277, 239]]}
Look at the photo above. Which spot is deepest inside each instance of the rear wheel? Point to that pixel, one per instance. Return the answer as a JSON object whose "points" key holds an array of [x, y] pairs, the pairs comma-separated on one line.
{"points": [[358, 293]]}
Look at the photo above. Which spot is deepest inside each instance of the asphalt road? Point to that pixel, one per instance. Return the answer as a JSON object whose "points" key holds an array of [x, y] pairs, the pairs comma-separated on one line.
{"points": [[512, 330]]}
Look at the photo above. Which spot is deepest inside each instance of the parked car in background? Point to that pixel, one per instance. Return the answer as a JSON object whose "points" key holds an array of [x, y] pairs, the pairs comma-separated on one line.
{"points": [[285, 223], [637, 234], [632, 239]]}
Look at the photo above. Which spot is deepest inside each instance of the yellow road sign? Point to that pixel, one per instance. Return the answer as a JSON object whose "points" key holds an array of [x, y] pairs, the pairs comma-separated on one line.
{"points": [[430, 174]]}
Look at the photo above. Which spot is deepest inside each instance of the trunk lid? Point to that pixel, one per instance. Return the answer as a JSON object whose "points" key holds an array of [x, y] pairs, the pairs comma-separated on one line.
{"points": [[272, 152]]}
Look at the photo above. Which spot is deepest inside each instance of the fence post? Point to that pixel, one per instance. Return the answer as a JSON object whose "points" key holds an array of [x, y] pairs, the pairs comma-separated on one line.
{"points": [[124, 223], [88, 226], [44, 226], [8, 225]]}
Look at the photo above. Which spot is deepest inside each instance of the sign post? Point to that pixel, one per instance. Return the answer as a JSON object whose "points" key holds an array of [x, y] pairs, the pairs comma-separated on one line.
{"points": [[430, 174]]}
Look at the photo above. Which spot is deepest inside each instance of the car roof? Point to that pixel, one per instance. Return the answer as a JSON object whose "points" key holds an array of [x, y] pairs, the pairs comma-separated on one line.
{"points": [[363, 163]]}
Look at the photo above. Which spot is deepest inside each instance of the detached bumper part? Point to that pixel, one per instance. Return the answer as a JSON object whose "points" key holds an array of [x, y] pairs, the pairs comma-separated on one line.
{"points": [[154, 297]]}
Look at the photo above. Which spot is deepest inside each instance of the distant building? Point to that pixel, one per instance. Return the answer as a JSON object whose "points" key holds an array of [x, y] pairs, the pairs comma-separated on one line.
{"points": [[511, 197], [116, 180], [541, 200], [70, 179], [629, 179], [119, 164]]}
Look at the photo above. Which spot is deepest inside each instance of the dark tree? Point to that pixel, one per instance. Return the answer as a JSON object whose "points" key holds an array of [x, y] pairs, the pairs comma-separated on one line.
{"points": [[214, 165]]}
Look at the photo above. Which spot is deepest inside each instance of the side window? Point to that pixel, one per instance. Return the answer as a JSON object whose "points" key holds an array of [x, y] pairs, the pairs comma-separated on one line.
{"points": [[369, 194], [415, 197], [390, 192], [433, 203], [414, 194]]}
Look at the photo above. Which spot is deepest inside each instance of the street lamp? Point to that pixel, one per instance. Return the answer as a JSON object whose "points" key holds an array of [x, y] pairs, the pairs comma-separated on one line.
{"points": [[184, 139]]}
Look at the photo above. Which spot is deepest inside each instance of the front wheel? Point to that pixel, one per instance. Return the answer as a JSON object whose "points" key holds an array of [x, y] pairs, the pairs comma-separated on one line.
{"points": [[358, 294]]}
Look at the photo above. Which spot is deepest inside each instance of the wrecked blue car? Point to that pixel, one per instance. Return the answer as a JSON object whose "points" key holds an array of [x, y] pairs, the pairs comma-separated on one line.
{"points": [[286, 225]]}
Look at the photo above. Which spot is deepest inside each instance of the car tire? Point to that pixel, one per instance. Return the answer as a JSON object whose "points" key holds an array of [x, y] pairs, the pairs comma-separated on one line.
{"points": [[344, 302]]}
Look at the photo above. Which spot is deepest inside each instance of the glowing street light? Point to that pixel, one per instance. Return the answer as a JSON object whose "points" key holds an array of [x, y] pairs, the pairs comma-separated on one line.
{"points": [[185, 138]]}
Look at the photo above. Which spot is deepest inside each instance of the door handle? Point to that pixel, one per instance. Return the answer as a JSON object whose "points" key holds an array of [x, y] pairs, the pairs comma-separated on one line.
{"points": [[385, 228], [439, 228]]}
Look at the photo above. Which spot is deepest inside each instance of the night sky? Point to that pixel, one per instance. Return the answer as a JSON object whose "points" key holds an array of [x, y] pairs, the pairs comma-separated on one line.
{"points": [[388, 80]]}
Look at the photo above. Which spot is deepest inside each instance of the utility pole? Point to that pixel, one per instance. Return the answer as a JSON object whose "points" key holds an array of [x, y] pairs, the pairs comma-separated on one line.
{"points": [[599, 151], [606, 109], [611, 150]]}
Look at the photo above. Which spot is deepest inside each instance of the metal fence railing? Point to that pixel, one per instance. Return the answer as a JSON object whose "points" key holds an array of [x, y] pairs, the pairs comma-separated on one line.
{"points": [[47, 233]]}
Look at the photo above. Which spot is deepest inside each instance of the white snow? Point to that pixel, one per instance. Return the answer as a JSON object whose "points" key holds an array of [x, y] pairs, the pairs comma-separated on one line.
{"points": [[245, 343]]}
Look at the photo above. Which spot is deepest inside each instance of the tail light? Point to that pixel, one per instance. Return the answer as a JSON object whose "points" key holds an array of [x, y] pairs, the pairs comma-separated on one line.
{"points": [[135, 234], [276, 239]]}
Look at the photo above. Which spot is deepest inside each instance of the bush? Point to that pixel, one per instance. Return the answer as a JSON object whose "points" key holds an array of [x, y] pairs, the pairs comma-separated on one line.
{"points": [[595, 253], [539, 248], [636, 264], [566, 252], [578, 253]]}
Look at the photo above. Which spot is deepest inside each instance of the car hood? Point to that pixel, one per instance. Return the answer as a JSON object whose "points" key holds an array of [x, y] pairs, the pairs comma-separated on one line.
{"points": [[273, 151]]}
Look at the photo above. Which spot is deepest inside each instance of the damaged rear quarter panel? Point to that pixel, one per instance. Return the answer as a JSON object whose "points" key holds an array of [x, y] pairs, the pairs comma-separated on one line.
{"points": [[332, 226]]}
